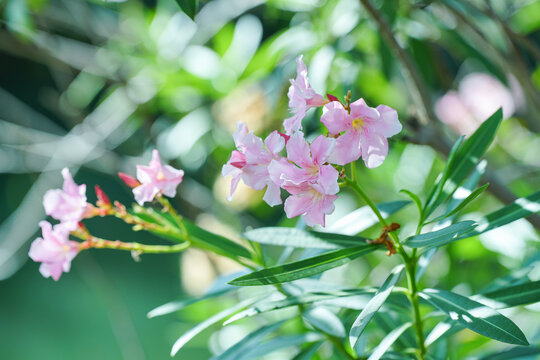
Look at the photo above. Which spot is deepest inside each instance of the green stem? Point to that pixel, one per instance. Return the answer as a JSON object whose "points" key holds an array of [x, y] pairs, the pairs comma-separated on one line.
{"points": [[167, 207], [410, 266], [98, 243]]}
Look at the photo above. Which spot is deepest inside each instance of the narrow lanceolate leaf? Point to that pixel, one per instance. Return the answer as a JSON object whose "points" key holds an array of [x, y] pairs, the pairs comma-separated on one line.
{"points": [[440, 237], [466, 158], [373, 305], [414, 198], [182, 340], [388, 340], [436, 194], [363, 218], [189, 7], [468, 185], [520, 208], [251, 340], [304, 268], [177, 305], [473, 195], [299, 238], [262, 350], [309, 352], [512, 354], [423, 262], [510, 296], [323, 319], [216, 243], [475, 316]]}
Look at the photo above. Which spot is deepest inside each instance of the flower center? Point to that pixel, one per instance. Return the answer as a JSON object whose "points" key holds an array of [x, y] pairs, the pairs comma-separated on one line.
{"points": [[160, 176], [358, 124]]}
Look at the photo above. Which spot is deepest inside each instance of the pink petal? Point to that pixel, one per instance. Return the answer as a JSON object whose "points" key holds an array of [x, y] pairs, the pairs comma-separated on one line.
{"points": [[298, 150], [335, 117], [53, 270], [145, 174], [256, 176], [374, 149], [321, 148], [240, 134], [144, 193], [360, 110], [315, 215], [274, 143], [297, 205], [272, 196], [294, 123], [69, 186], [388, 125], [156, 159], [347, 148], [328, 177]]}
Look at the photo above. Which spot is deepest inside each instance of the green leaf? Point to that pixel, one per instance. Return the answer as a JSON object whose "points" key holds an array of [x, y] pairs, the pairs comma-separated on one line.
{"points": [[215, 243], [374, 304], [475, 316], [440, 237], [510, 296], [520, 208], [462, 204], [512, 354], [363, 218], [436, 192], [464, 159], [267, 305], [469, 184], [309, 352], [189, 7], [388, 340], [423, 262], [323, 319], [280, 342], [250, 341], [299, 238], [182, 340], [414, 198], [304, 268], [177, 305]]}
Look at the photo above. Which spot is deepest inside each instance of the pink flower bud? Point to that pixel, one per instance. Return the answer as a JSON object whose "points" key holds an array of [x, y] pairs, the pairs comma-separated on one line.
{"points": [[103, 199], [129, 180]]}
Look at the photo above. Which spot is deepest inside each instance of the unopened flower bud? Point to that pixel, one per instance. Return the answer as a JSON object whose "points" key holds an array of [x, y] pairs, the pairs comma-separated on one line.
{"points": [[129, 180], [103, 199], [332, 97]]}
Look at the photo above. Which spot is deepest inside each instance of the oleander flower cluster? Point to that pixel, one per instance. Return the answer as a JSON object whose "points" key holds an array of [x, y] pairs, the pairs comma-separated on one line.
{"points": [[54, 250], [309, 172]]}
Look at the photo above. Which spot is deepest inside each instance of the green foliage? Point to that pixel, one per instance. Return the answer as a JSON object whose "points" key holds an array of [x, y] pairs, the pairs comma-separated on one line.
{"points": [[189, 7]]}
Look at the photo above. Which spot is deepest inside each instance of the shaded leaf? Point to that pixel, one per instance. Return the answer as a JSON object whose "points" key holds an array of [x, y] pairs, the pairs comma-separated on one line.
{"points": [[300, 238], [423, 262], [309, 352], [473, 195], [373, 305], [177, 305], [414, 198], [325, 320], [475, 316], [388, 340], [440, 237], [521, 294], [189, 7], [304, 268], [363, 218], [512, 354]]}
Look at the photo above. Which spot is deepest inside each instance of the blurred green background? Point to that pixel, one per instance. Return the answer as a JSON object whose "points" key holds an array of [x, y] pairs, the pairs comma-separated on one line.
{"points": [[96, 85]]}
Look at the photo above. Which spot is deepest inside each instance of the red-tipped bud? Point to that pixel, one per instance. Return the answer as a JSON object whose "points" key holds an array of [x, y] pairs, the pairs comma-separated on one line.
{"points": [[285, 136], [129, 180], [103, 199], [332, 97]]}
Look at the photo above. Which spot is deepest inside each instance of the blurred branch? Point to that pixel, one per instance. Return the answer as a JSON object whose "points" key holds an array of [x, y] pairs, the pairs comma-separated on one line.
{"points": [[411, 74], [428, 132], [503, 61]]}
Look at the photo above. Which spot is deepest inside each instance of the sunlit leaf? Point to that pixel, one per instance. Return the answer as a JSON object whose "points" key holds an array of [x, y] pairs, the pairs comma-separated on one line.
{"points": [[440, 237], [304, 268], [522, 294], [374, 304], [300, 238], [323, 319], [475, 316], [280, 342], [388, 340], [513, 354], [473, 195]]}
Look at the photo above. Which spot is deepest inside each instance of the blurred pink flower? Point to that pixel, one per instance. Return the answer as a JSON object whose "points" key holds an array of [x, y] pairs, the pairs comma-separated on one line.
{"points": [[301, 98], [479, 95], [250, 162], [365, 131], [67, 204], [156, 178], [54, 250], [305, 176]]}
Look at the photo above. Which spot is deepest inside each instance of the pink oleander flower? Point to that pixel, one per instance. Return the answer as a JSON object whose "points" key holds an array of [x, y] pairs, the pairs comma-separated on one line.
{"points": [[301, 98], [155, 179], [306, 176], [67, 204], [250, 162], [365, 130], [54, 250]]}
